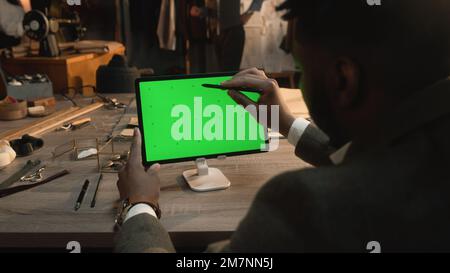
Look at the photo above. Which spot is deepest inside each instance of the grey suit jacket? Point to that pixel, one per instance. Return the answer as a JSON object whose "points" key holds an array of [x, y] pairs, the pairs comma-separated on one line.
{"points": [[395, 192]]}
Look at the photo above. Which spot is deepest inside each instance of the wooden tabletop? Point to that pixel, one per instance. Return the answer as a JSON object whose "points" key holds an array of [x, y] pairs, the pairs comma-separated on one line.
{"points": [[45, 216]]}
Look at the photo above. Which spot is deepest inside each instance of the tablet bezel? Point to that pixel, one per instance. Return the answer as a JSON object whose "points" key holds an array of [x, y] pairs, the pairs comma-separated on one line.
{"points": [[141, 124]]}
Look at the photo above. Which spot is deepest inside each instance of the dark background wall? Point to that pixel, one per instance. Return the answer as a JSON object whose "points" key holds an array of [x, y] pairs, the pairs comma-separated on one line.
{"points": [[100, 18], [143, 50], [103, 19]]}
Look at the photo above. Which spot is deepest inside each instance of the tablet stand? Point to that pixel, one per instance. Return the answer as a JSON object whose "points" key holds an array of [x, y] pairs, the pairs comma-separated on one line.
{"points": [[205, 179]]}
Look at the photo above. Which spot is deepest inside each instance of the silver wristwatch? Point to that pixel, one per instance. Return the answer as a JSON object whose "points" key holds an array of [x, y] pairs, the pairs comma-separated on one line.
{"points": [[122, 211]]}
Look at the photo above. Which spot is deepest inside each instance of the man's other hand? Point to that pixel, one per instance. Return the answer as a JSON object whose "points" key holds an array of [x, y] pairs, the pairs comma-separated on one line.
{"points": [[135, 183], [270, 96]]}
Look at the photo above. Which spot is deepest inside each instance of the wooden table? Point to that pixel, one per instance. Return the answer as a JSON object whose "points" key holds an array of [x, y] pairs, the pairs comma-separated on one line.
{"points": [[45, 218]]}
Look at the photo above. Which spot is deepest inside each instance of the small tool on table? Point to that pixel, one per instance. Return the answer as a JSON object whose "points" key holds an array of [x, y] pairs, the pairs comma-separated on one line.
{"points": [[76, 125], [34, 177], [112, 103], [94, 199], [115, 163], [31, 164], [82, 194], [13, 190]]}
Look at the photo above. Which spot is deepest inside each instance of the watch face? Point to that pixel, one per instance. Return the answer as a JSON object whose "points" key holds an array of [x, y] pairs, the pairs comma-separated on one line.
{"points": [[122, 212]]}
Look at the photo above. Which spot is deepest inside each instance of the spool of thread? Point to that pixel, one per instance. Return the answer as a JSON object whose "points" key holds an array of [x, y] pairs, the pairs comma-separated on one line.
{"points": [[4, 160], [13, 110], [7, 154]]}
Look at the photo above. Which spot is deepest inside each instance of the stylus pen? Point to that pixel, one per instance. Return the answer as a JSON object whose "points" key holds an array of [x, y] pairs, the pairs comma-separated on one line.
{"points": [[82, 194], [240, 89], [94, 199]]}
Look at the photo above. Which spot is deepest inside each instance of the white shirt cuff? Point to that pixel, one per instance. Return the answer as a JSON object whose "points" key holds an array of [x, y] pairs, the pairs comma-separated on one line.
{"points": [[297, 130], [140, 209]]}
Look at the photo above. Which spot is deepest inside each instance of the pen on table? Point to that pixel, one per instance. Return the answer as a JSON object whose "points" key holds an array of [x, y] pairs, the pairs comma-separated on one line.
{"points": [[94, 199], [82, 194], [240, 89]]}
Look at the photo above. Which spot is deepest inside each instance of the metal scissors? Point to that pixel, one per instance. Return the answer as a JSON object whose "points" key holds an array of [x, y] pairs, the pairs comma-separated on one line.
{"points": [[34, 177]]}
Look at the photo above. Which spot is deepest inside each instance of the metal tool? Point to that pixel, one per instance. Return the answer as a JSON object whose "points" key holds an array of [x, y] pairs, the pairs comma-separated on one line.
{"points": [[13, 190], [34, 177], [116, 157], [112, 103], [94, 199], [31, 164], [108, 164], [76, 125], [113, 165], [116, 162], [65, 127]]}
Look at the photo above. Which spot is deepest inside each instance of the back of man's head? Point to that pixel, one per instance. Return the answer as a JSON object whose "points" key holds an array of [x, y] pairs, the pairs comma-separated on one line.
{"points": [[410, 37], [361, 60]]}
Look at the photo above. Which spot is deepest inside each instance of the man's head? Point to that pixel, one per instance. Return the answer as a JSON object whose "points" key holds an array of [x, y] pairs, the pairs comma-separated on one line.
{"points": [[360, 60]]}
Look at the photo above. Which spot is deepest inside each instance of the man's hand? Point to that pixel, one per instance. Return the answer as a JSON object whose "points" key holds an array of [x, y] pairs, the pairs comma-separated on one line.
{"points": [[135, 183], [270, 95]]}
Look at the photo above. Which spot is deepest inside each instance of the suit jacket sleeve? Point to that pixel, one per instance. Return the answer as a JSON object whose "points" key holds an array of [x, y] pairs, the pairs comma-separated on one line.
{"points": [[314, 147], [270, 225], [291, 214], [143, 234], [288, 215]]}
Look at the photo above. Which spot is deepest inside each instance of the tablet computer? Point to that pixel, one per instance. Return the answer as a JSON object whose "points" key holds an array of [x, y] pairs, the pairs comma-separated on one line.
{"points": [[181, 120]]}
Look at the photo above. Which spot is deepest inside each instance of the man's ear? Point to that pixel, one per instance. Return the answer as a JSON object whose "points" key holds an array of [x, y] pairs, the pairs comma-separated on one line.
{"points": [[346, 81]]}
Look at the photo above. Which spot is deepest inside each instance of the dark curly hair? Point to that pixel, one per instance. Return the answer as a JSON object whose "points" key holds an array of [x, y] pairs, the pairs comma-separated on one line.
{"points": [[416, 32]]}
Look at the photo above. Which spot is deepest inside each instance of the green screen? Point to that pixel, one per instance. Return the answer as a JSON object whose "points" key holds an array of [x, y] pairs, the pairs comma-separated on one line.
{"points": [[182, 120]]}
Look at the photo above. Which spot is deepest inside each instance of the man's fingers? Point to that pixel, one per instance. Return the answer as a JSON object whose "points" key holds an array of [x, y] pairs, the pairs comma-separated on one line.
{"points": [[252, 71], [256, 77], [136, 155], [253, 82], [154, 169], [241, 98]]}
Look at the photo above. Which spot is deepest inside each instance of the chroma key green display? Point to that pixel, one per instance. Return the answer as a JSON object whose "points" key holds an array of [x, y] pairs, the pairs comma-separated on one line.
{"points": [[181, 120]]}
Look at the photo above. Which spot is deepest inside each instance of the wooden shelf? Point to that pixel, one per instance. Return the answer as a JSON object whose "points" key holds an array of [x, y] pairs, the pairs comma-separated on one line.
{"points": [[65, 71]]}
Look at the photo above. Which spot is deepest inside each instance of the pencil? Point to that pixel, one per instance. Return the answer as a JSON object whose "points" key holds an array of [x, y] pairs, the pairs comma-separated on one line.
{"points": [[82, 194], [94, 199]]}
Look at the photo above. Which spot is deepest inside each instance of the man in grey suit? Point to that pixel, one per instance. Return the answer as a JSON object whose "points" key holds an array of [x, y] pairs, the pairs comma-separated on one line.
{"points": [[376, 81]]}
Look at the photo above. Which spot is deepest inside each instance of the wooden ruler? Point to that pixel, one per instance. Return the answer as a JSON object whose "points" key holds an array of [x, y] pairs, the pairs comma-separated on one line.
{"points": [[64, 119], [12, 134], [50, 123]]}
